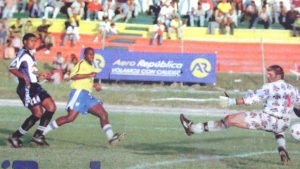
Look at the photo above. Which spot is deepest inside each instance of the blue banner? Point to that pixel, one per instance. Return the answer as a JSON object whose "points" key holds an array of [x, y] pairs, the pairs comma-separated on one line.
{"points": [[115, 64]]}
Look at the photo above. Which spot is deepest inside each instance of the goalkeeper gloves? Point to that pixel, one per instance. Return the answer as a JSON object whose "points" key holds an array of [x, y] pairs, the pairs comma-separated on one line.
{"points": [[226, 101]]}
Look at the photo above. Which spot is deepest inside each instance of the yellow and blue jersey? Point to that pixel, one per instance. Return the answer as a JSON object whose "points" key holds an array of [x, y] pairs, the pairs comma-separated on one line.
{"points": [[83, 67]]}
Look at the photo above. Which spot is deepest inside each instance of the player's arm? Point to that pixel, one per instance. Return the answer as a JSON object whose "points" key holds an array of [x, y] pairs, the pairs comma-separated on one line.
{"points": [[97, 85], [14, 69], [83, 76]]}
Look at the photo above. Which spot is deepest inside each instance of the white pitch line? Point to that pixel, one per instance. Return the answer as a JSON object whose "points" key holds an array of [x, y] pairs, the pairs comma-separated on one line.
{"points": [[186, 99], [202, 158]]}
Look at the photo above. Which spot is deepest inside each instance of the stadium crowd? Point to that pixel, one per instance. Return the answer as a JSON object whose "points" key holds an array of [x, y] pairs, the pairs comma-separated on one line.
{"points": [[223, 14], [169, 16]]}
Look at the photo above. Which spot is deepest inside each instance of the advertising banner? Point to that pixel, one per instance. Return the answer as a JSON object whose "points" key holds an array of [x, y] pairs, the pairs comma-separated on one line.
{"points": [[115, 64]]}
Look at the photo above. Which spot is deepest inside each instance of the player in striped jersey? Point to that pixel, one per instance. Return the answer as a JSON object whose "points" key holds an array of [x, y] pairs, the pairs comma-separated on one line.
{"points": [[33, 96]]}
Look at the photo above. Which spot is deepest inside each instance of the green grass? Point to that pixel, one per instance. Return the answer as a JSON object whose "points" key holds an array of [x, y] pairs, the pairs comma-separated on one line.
{"points": [[155, 141], [152, 141]]}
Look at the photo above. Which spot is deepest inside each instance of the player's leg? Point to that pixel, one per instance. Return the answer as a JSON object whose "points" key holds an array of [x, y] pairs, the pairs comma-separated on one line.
{"points": [[280, 140], [14, 139], [70, 117], [76, 104], [50, 107], [99, 111], [236, 120]]}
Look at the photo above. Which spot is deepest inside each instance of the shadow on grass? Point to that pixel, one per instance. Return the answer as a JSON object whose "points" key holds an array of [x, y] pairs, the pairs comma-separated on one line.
{"points": [[204, 146], [76, 143], [4, 135], [168, 148]]}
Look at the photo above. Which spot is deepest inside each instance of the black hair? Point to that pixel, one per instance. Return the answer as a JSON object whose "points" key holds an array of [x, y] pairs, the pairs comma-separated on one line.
{"points": [[88, 49], [277, 69], [28, 36]]}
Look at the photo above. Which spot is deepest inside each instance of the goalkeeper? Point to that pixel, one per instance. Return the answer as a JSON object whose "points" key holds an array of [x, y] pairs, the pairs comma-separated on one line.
{"points": [[278, 97]]}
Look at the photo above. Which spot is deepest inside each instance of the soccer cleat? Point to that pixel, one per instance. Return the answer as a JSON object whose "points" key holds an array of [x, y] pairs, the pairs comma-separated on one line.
{"points": [[39, 140], [14, 142], [186, 124], [284, 156], [116, 138]]}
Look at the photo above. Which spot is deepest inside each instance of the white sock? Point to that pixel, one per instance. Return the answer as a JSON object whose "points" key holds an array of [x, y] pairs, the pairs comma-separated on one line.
{"points": [[53, 125], [280, 142], [208, 126], [22, 131], [41, 128], [108, 131], [197, 128]]}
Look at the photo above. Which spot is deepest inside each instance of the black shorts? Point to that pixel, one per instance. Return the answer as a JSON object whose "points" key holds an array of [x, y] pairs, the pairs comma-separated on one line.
{"points": [[36, 92]]}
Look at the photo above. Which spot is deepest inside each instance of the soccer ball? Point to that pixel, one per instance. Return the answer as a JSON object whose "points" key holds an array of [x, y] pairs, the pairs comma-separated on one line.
{"points": [[295, 131]]}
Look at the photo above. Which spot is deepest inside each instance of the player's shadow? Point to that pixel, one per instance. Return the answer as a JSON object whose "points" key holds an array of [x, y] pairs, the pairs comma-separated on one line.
{"points": [[183, 147], [4, 135], [79, 144], [167, 148]]}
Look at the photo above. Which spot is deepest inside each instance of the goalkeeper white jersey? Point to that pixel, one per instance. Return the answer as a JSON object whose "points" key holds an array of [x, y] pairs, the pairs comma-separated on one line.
{"points": [[278, 98]]}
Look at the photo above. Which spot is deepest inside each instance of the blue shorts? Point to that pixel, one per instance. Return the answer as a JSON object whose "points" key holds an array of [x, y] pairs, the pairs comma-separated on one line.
{"points": [[81, 101]]}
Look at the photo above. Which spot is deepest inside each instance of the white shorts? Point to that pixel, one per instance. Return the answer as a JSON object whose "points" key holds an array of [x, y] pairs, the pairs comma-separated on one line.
{"points": [[264, 121]]}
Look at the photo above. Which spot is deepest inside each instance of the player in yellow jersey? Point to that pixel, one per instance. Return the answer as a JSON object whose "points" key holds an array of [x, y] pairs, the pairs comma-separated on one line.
{"points": [[82, 102]]}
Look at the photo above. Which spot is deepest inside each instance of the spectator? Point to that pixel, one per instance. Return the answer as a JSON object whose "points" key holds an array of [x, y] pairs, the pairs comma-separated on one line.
{"points": [[123, 11], [296, 5], [22, 6], [252, 12], [175, 26], [230, 25], [158, 31], [296, 26], [213, 21], [94, 8], [112, 30], [155, 8], [70, 66], [16, 29], [9, 51], [3, 32], [28, 27], [72, 33], [47, 42], [224, 7], [9, 9], [42, 29], [17, 43], [2, 5], [54, 6], [37, 9], [263, 18], [290, 18], [197, 15], [109, 9], [59, 61], [166, 13], [281, 13], [76, 11], [103, 28]]}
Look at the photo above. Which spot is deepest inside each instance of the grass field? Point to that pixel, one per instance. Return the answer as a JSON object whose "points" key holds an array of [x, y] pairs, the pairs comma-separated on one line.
{"points": [[155, 141], [155, 138]]}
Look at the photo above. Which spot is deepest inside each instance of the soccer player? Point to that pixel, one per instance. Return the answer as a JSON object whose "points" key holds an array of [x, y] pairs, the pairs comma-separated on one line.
{"points": [[278, 97], [33, 96], [82, 102]]}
